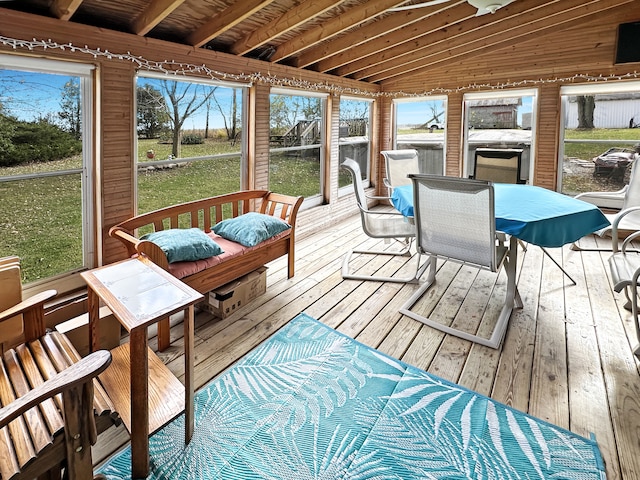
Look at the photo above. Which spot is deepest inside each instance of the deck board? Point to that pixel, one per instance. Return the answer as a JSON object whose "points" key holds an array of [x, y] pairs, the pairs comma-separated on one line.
{"points": [[566, 356]]}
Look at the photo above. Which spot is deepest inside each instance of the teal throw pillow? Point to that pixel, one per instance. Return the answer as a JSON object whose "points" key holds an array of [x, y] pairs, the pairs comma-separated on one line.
{"points": [[251, 228], [184, 244]]}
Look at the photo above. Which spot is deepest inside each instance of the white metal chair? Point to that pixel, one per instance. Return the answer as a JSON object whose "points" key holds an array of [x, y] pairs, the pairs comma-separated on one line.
{"points": [[455, 220], [625, 271], [627, 219], [398, 164], [380, 224], [503, 166]]}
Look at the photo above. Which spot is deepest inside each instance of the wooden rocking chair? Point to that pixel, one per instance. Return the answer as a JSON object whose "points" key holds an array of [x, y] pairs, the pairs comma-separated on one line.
{"points": [[53, 405]]}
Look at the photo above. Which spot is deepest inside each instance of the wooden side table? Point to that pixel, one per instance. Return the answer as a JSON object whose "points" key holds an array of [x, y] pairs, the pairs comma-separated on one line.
{"points": [[144, 391]]}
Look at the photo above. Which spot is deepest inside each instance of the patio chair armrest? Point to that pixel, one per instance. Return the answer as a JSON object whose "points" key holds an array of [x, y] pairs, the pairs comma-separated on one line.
{"points": [[628, 240], [78, 373], [31, 303]]}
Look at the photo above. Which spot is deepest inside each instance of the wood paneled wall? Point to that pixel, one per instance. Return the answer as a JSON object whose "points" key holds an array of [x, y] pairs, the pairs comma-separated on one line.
{"points": [[115, 118], [546, 62]]}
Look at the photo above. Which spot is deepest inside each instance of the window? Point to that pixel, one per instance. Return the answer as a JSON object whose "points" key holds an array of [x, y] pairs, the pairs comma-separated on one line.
{"points": [[354, 140], [46, 153], [500, 120], [296, 138], [190, 140], [420, 124], [600, 127]]}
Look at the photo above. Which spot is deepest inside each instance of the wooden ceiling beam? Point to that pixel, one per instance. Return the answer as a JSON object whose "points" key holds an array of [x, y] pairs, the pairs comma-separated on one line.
{"points": [[155, 12], [381, 29], [394, 52], [64, 9], [383, 49], [520, 30], [225, 20], [295, 17], [321, 33]]}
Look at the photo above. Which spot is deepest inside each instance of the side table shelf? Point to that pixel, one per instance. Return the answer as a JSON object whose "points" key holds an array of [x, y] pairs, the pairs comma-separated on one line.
{"points": [[144, 391], [165, 394]]}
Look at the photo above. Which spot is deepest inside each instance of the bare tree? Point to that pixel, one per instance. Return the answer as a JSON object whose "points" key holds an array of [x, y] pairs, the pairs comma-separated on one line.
{"points": [[184, 100], [231, 118]]}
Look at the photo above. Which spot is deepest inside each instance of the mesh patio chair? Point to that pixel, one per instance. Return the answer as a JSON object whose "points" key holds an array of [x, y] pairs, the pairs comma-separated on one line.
{"points": [[503, 166], [625, 272], [624, 222], [380, 224], [398, 164], [455, 220]]}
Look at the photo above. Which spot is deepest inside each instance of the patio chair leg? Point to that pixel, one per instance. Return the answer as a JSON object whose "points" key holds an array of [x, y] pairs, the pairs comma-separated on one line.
{"points": [[415, 278]]}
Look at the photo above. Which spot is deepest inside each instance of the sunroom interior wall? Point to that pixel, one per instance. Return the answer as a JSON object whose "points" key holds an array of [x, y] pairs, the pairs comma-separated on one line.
{"points": [[116, 117], [546, 61]]}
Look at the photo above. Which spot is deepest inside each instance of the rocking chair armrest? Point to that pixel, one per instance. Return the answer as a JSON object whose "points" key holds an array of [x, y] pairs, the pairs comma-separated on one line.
{"points": [[37, 301], [77, 374]]}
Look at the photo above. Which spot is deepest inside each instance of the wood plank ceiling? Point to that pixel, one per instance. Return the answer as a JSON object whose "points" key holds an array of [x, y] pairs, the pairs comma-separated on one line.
{"points": [[367, 40]]}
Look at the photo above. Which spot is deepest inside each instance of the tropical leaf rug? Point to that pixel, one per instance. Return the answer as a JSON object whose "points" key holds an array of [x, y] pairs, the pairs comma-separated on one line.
{"points": [[311, 403]]}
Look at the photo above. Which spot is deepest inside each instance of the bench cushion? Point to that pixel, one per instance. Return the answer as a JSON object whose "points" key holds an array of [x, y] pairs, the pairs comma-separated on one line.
{"points": [[184, 244], [231, 249], [251, 228]]}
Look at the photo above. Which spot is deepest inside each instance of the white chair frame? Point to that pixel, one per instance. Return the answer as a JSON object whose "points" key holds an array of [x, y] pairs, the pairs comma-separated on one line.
{"points": [[493, 256], [381, 224]]}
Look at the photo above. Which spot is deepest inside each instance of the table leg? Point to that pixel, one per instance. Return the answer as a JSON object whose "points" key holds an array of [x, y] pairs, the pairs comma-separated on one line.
{"points": [[513, 261], [188, 372], [93, 308], [139, 404]]}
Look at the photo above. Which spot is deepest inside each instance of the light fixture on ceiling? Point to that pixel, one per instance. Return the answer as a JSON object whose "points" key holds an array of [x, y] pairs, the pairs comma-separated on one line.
{"points": [[483, 6], [488, 6]]}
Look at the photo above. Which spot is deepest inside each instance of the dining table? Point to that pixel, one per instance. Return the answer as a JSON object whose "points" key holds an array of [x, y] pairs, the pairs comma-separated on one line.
{"points": [[530, 213]]}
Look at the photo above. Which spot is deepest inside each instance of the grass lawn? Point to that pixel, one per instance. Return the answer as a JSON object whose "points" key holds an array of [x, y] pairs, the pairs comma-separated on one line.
{"points": [[42, 221]]}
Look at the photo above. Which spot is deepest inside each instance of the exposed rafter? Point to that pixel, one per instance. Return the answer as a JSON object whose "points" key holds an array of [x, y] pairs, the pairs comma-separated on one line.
{"points": [[225, 20], [373, 41], [328, 30], [64, 9], [290, 20], [156, 11]]}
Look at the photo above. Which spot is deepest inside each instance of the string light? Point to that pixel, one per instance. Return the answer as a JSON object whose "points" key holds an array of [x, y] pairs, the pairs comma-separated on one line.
{"points": [[171, 67]]}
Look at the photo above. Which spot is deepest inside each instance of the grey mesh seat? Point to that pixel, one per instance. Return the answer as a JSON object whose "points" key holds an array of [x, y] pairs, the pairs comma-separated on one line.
{"points": [[625, 271], [455, 220], [380, 224], [627, 219], [398, 164]]}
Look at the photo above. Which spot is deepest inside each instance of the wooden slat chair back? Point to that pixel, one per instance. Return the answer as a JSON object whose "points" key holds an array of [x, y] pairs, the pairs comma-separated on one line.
{"points": [[71, 408]]}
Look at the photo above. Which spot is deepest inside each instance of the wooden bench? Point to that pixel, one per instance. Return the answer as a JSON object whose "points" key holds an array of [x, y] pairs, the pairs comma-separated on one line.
{"points": [[204, 214]]}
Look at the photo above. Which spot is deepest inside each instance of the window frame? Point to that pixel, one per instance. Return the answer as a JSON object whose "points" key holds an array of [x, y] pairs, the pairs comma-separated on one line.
{"points": [[91, 243], [348, 189], [244, 144], [318, 199], [418, 99], [493, 94]]}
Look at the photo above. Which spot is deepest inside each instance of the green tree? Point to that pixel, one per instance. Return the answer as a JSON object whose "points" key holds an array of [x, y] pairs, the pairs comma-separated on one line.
{"points": [[71, 109], [586, 107], [7, 131], [151, 112]]}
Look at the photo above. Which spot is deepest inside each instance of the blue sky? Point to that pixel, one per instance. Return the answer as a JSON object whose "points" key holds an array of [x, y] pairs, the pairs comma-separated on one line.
{"points": [[30, 95]]}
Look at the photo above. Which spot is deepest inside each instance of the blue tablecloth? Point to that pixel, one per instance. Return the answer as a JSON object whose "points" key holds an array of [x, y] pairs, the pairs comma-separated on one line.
{"points": [[533, 214]]}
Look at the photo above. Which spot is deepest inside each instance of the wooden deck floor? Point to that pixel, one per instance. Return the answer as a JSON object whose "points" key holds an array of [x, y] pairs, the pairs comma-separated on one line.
{"points": [[566, 357]]}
